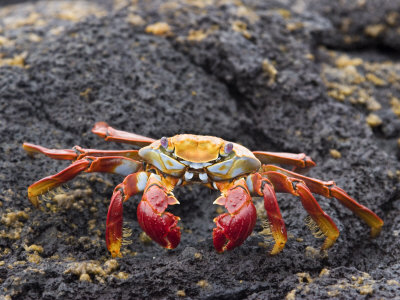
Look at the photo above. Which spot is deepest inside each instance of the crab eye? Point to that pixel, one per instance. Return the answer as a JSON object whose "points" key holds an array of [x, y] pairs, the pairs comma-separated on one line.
{"points": [[228, 148], [164, 142]]}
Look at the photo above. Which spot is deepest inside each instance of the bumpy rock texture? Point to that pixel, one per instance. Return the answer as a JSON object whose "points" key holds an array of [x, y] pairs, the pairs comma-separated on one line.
{"points": [[320, 77]]}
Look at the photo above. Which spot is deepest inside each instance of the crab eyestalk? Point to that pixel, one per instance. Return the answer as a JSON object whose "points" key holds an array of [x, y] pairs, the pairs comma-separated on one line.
{"points": [[234, 227], [159, 225]]}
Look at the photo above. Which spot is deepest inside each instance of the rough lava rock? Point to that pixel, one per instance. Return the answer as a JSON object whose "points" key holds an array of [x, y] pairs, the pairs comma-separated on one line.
{"points": [[294, 76]]}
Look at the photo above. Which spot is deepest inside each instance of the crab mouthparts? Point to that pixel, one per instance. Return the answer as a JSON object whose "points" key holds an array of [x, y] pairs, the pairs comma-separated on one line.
{"points": [[196, 171], [195, 175]]}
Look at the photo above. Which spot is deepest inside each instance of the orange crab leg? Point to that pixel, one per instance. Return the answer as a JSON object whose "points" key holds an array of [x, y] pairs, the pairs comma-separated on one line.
{"points": [[105, 131], [329, 189], [260, 186], [77, 152], [132, 184], [159, 225], [285, 184], [67, 154], [234, 227], [108, 164], [300, 161]]}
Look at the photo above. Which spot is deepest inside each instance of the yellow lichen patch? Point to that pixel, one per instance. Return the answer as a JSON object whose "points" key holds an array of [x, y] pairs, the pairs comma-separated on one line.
{"points": [[366, 289], [34, 258], [344, 61], [85, 277], [392, 282], [374, 30], [291, 295], [74, 12], [203, 283], [32, 19], [87, 270], [159, 28], [286, 14], [355, 80], [324, 272], [85, 93], [122, 275], [391, 18], [241, 27], [294, 26], [66, 199], [249, 14], [181, 293], [335, 153], [198, 256], [5, 42], [270, 69], [110, 266], [311, 252], [12, 219], [197, 35], [340, 91], [199, 3], [40, 271], [34, 38], [135, 20], [56, 30], [395, 104], [375, 79], [34, 247], [17, 61], [373, 120], [304, 277], [369, 101], [144, 238]]}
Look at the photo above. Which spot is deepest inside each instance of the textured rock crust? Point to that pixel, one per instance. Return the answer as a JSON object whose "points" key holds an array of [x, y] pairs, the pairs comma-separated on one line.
{"points": [[320, 77]]}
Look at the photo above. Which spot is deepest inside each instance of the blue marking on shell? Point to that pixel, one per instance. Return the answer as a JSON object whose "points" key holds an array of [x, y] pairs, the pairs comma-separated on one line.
{"points": [[221, 168], [170, 163]]}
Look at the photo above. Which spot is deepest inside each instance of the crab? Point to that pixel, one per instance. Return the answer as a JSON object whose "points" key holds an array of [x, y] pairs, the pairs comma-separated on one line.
{"points": [[236, 172]]}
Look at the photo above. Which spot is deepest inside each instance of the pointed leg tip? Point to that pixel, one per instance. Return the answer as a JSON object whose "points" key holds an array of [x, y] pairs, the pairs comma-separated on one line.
{"points": [[328, 243], [33, 199], [115, 253], [375, 231], [278, 247]]}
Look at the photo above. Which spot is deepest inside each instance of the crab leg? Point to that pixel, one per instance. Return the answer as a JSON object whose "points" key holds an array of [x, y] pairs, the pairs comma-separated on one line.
{"points": [[159, 225], [234, 227], [300, 161], [107, 164], [329, 189], [285, 184], [260, 186], [77, 152], [132, 184], [105, 131]]}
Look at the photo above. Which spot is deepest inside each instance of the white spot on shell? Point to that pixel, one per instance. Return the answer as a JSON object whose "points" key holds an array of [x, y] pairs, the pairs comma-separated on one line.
{"points": [[188, 176], [203, 177]]}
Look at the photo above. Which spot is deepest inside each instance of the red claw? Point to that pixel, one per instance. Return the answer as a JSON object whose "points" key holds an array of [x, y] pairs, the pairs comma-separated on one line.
{"points": [[161, 226], [235, 226], [114, 224]]}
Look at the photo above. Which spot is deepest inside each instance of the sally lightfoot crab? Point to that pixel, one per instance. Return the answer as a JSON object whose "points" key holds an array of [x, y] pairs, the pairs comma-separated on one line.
{"points": [[236, 172]]}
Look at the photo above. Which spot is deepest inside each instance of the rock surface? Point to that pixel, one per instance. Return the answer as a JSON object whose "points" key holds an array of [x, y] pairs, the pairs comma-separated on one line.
{"points": [[318, 77]]}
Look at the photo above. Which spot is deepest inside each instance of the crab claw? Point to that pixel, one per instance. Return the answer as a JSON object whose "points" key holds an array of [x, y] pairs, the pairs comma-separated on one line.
{"points": [[114, 224], [161, 226], [235, 226]]}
